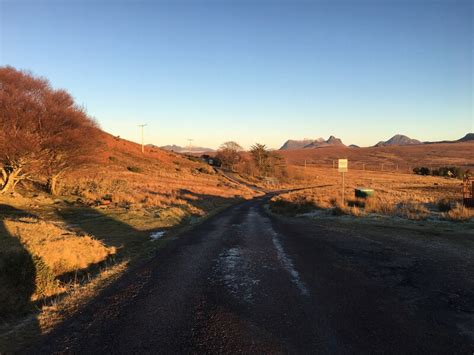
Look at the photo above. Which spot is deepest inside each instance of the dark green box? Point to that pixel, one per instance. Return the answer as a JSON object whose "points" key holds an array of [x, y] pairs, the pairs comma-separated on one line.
{"points": [[363, 192]]}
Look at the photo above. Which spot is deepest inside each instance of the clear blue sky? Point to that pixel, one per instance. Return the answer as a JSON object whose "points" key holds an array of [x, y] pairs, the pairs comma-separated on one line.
{"points": [[255, 70]]}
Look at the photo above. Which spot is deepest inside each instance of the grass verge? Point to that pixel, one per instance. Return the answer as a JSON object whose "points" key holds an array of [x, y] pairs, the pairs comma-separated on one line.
{"points": [[67, 252]]}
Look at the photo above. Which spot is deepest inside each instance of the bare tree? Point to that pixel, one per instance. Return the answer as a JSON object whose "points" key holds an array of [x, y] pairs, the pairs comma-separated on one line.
{"points": [[20, 112], [41, 129], [229, 154], [68, 138]]}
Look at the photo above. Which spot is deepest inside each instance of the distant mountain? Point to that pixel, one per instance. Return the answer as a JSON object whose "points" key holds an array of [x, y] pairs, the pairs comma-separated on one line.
{"points": [[292, 144], [179, 149], [354, 146], [467, 138], [331, 142], [334, 141], [311, 143], [398, 139]]}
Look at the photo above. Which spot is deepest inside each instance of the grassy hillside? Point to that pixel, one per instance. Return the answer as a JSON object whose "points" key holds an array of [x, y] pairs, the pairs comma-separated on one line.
{"points": [[155, 179]]}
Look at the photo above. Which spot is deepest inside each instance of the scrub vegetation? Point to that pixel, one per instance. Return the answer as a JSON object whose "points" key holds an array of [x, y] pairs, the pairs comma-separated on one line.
{"points": [[402, 195]]}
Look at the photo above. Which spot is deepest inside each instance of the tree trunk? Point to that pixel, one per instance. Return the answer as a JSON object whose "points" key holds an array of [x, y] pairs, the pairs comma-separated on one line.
{"points": [[3, 177], [10, 180], [51, 185]]}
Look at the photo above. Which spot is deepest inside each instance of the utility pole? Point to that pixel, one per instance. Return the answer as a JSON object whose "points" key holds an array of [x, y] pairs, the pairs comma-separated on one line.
{"points": [[343, 188], [143, 147], [190, 140]]}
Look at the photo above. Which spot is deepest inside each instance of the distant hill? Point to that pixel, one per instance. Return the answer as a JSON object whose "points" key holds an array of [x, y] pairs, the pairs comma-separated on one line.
{"points": [[398, 139], [354, 146], [467, 138], [310, 143], [299, 144], [179, 149]]}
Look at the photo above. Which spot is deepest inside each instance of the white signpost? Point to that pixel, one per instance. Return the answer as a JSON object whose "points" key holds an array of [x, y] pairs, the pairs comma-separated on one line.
{"points": [[342, 168]]}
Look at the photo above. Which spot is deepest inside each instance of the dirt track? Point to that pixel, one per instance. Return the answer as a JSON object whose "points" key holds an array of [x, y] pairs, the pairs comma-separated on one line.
{"points": [[245, 281]]}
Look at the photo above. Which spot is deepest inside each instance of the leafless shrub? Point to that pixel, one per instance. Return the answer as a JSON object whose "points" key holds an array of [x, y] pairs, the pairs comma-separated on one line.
{"points": [[413, 210], [459, 213]]}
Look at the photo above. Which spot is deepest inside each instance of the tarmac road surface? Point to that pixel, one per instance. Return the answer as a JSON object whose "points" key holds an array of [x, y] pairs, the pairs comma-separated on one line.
{"points": [[246, 281]]}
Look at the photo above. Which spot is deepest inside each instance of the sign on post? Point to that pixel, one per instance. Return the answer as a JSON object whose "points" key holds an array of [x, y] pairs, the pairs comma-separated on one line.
{"points": [[342, 165], [342, 168]]}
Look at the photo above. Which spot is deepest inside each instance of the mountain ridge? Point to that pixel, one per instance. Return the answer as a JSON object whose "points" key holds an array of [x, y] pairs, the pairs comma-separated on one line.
{"points": [[293, 144]]}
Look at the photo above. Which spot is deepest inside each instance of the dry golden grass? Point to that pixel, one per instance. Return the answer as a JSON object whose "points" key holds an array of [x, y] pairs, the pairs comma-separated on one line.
{"points": [[156, 179], [62, 250], [34, 253], [459, 213], [404, 195]]}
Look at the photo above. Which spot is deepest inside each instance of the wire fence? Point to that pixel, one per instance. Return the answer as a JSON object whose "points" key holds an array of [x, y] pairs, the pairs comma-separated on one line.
{"points": [[399, 167]]}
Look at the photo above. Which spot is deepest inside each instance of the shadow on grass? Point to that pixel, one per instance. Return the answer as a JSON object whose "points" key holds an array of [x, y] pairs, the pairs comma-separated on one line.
{"points": [[112, 229], [17, 268], [17, 277], [114, 226], [127, 230], [207, 202]]}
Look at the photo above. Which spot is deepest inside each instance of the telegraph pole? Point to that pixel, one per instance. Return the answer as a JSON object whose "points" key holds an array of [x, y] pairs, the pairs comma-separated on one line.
{"points": [[343, 188], [143, 147], [190, 140]]}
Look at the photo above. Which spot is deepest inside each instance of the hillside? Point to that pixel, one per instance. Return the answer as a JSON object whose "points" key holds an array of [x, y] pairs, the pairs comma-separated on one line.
{"points": [[405, 157], [157, 177]]}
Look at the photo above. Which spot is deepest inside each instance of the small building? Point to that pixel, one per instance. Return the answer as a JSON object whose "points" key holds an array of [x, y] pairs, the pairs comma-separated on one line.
{"points": [[213, 161]]}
